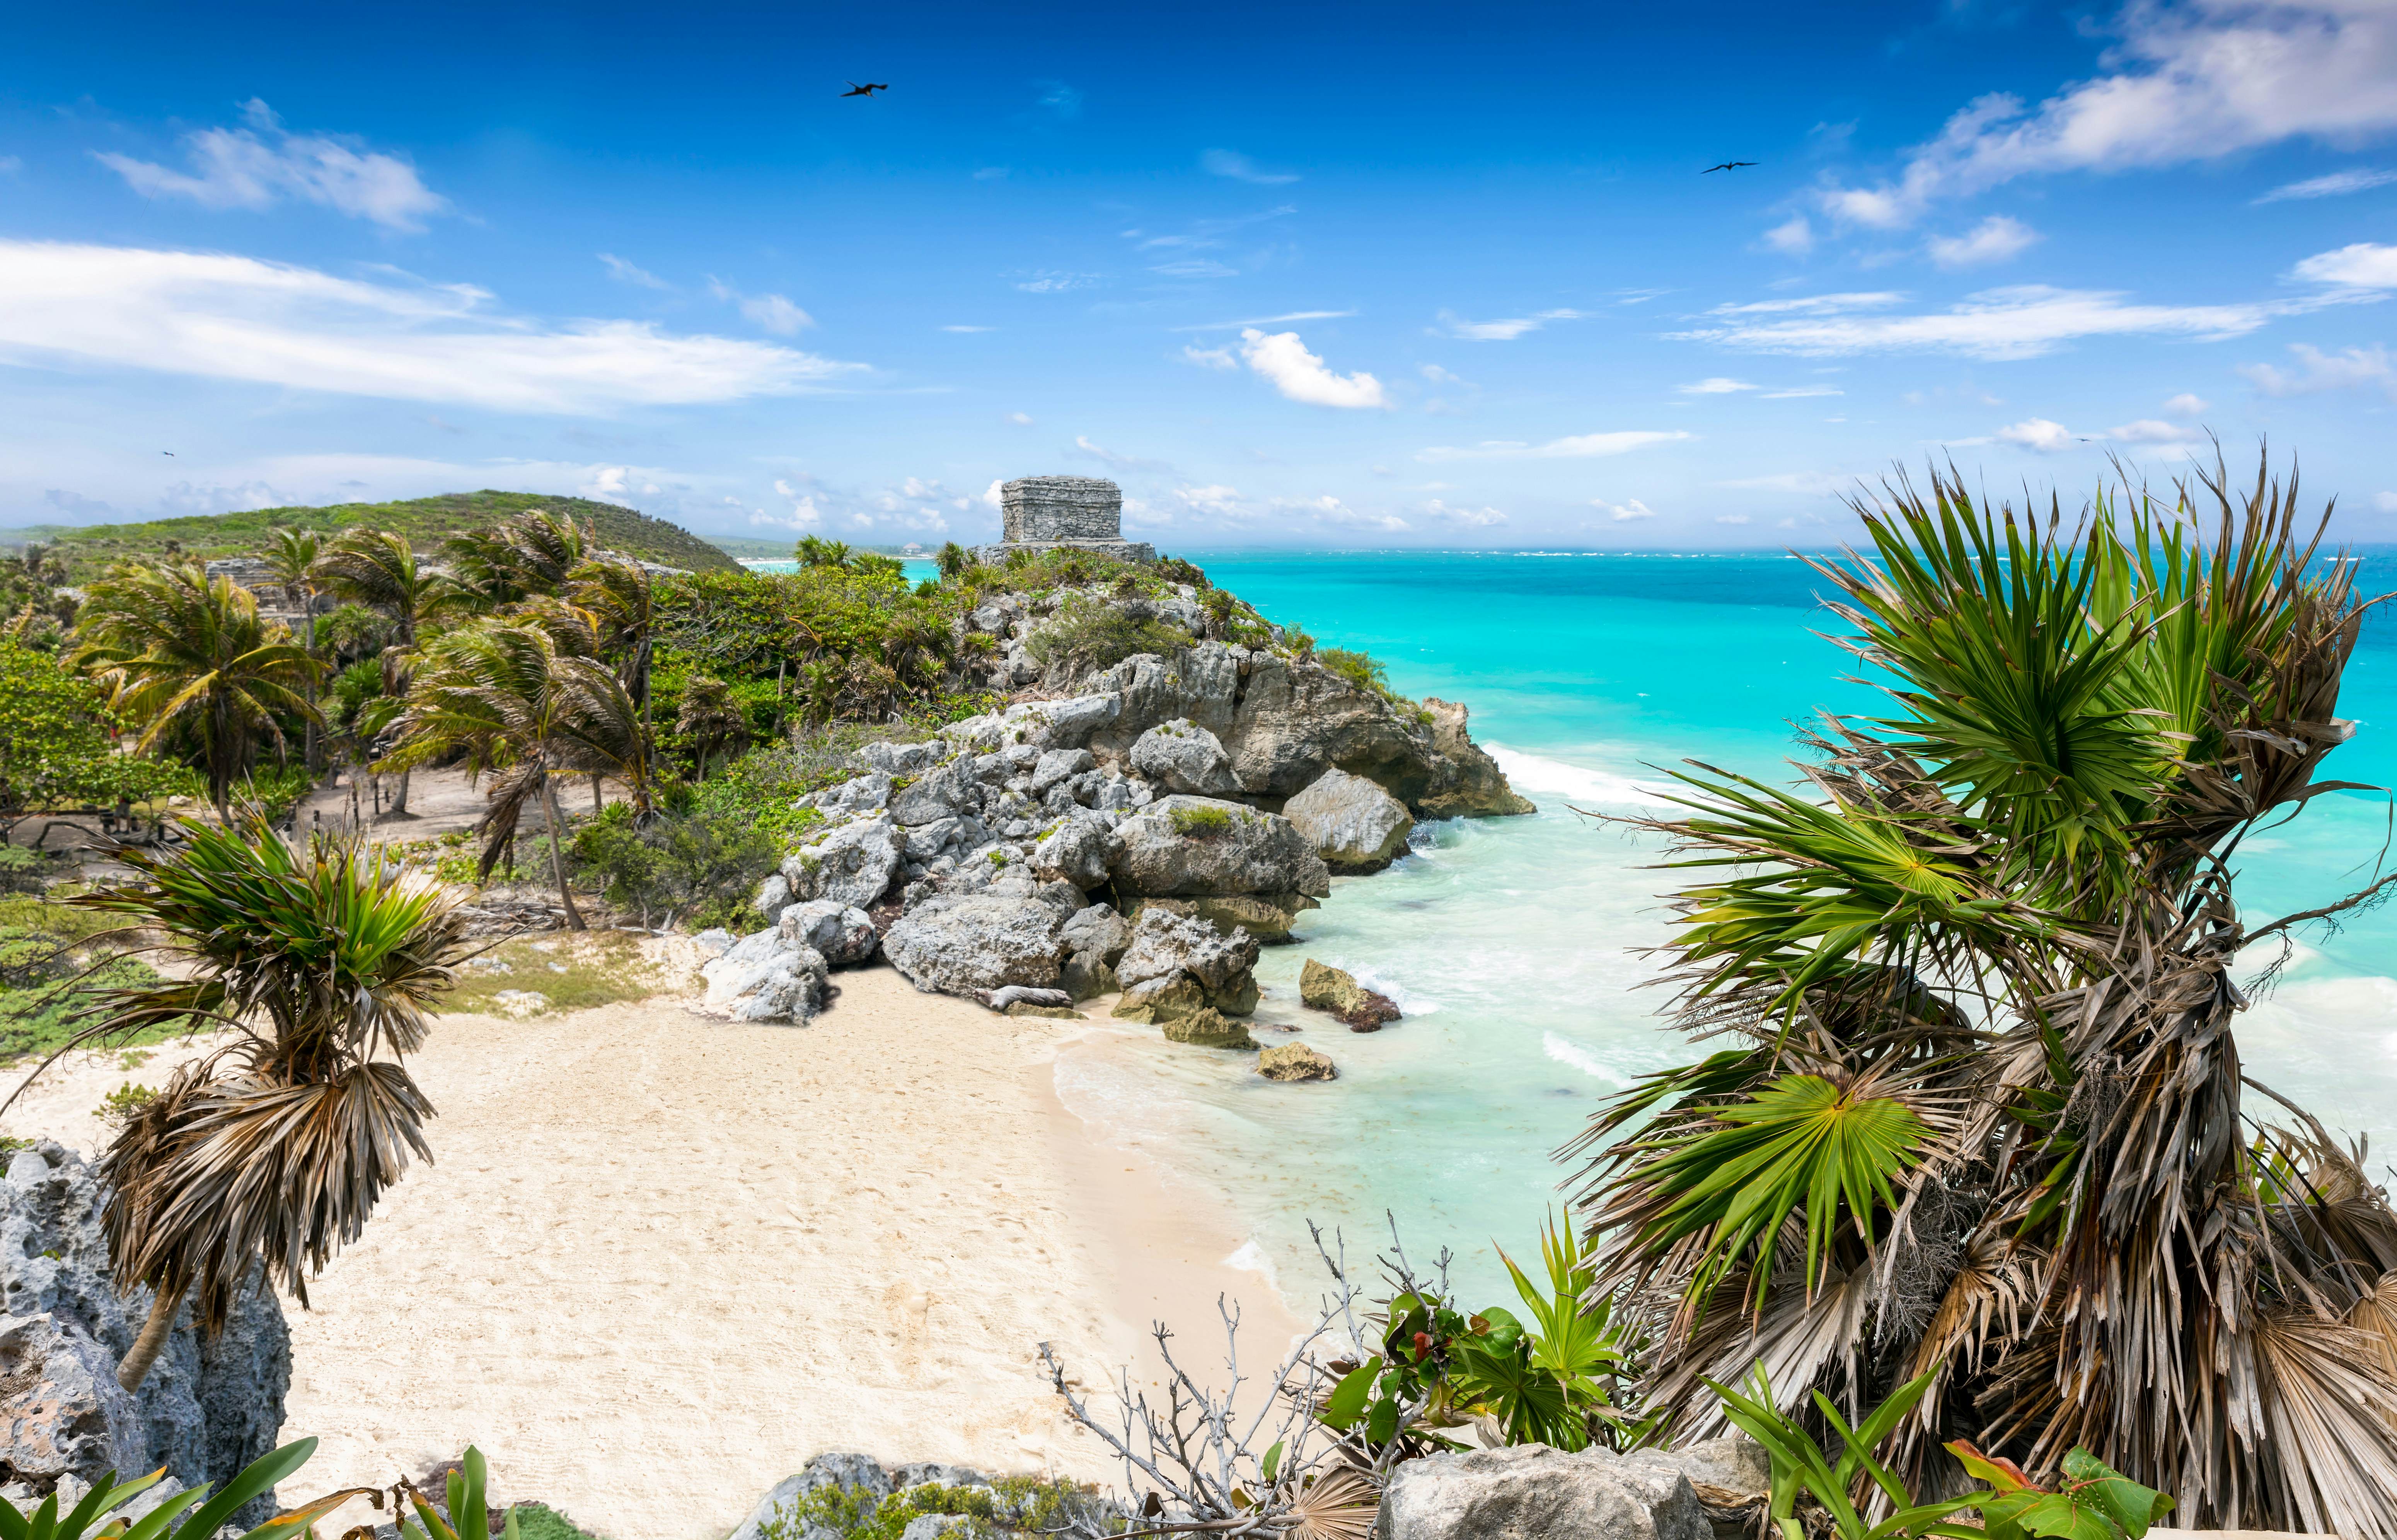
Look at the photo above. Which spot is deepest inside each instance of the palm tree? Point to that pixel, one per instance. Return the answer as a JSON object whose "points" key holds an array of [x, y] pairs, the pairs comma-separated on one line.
{"points": [[508, 697], [917, 645], [711, 719], [292, 559], [954, 560], [185, 652], [815, 551], [268, 1154], [1984, 1111], [377, 568], [529, 554]]}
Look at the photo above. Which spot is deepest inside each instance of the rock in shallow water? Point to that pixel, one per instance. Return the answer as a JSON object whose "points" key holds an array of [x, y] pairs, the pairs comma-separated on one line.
{"points": [[1295, 1061], [1184, 846], [1337, 992], [1176, 965], [1208, 1027]]}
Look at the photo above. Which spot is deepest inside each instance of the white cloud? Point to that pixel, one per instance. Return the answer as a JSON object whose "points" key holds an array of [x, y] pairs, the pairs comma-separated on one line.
{"points": [[2185, 405], [1627, 512], [1813, 304], [624, 271], [1453, 325], [2353, 368], [1471, 519], [2385, 501], [2038, 433], [991, 173], [2362, 265], [1583, 446], [257, 167], [2338, 185], [2021, 322], [1801, 392], [1056, 283], [1330, 510], [1718, 385], [2191, 82], [1021, 419], [771, 312], [990, 496], [1794, 236], [237, 318], [969, 329], [2149, 430], [1121, 461], [1268, 320], [1993, 240], [1240, 167], [1733, 518], [1224, 502], [1300, 375], [1439, 376], [1195, 267], [1210, 359]]}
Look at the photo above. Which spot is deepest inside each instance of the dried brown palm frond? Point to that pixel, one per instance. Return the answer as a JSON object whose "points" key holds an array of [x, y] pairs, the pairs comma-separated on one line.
{"points": [[1339, 1505]]}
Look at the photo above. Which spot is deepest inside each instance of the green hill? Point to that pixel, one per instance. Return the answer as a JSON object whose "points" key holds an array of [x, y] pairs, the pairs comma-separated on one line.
{"points": [[426, 521]]}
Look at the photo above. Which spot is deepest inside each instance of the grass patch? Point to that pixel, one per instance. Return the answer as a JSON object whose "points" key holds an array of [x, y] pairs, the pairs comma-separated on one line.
{"points": [[1200, 822], [539, 1521], [1011, 1505], [574, 973]]}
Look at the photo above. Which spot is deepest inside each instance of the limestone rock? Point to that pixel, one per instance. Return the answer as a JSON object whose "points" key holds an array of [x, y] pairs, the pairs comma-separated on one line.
{"points": [[1337, 992], [1094, 937], [920, 1473], [1354, 824], [1208, 1029], [1167, 949], [1464, 782], [204, 1413], [768, 976], [1077, 852], [941, 792], [1184, 758], [1295, 1061], [849, 1472], [1160, 1000], [772, 895], [851, 866], [1069, 724], [1530, 1491], [957, 945], [931, 1526], [1192, 844], [1059, 764], [842, 933], [1267, 916]]}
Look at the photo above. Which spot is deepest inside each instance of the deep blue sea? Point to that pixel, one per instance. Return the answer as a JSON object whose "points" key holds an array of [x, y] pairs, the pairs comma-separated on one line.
{"points": [[1514, 944]]}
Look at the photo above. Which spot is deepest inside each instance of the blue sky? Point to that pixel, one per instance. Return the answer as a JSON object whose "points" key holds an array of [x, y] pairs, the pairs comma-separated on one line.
{"points": [[1327, 276]]}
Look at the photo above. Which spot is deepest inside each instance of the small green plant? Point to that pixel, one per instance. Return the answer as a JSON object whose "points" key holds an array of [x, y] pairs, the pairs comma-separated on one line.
{"points": [[124, 1103], [2096, 1501], [1357, 668], [22, 870], [1011, 1505], [1093, 633], [700, 866], [1200, 822], [469, 1511], [202, 1514]]}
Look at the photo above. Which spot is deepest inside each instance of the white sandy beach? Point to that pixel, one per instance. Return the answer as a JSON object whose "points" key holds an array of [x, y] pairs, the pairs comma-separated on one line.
{"points": [[661, 1261]]}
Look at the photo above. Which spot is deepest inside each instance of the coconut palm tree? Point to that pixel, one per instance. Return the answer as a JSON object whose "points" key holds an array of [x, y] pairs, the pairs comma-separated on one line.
{"points": [[816, 551], [530, 554], [1983, 1111], [292, 559], [711, 719], [188, 653], [505, 695], [954, 560], [379, 569], [268, 1154]]}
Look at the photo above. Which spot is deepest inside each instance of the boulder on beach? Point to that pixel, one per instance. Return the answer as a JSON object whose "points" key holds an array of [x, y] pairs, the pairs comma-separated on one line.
{"points": [[1095, 938], [1176, 966], [842, 933], [987, 941], [768, 976], [1180, 846], [1530, 1490], [1337, 992], [1267, 916], [1296, 1062], [1354, 824], [1208, 1027], [856, 1474]]}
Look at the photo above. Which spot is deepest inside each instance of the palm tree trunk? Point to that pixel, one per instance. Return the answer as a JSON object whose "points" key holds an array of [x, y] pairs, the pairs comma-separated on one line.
{"points": [[152, 1342], [399, 794], [558, 855], [598, 804]]}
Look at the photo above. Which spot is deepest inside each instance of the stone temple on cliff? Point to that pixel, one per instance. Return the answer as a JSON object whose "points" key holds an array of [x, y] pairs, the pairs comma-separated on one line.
{"points": [[1065, 513]]}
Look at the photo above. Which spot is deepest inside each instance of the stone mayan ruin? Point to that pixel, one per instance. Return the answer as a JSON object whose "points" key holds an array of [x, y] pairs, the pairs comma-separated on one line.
{"points": [[1078, 513]]}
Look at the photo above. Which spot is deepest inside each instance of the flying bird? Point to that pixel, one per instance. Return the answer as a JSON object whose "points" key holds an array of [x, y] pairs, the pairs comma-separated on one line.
{"points": [[168, 453], [1726, 165], [867, 89]]}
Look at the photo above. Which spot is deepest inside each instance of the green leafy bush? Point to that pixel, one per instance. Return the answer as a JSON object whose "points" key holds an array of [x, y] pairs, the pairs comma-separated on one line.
{"points": [[1357, 668], [1093, 633], [40, 1018], [702, 866], [1011, 1505], [201, 1515], [124, 1103], [22, 870]]}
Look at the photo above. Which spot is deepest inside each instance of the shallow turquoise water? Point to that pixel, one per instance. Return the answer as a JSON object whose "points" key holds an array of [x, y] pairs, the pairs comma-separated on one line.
{"points": [[1513, 943]]}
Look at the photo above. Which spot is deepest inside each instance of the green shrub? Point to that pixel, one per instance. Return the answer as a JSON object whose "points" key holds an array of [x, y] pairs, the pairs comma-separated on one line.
{"points": [[40, 1018], [1357, 668], [1200, 822], [29, 957], [1011, 1505], [1092, 633], [702, 865], [22, 870], [539, 1521], [124, 1103]]}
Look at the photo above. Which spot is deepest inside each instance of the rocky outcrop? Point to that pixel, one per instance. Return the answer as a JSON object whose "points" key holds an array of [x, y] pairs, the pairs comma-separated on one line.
{"points": [[1336, 992], [770, 976], [843, 934], [1530, 1491], [1078, 852], [1184, 758], [1267, 916], [1296, 1062], [1193, 845], [1095, 939], [957, 945], [1464, 782], [852, 1473], [1020, 1506], [1176, 967], [208, 1409], [851, 866], [1354, 824]]}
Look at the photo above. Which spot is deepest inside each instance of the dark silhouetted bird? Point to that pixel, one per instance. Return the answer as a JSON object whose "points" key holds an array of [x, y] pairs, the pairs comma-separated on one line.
{"points": [[1726, 165], [168, 453], [868, 89]]}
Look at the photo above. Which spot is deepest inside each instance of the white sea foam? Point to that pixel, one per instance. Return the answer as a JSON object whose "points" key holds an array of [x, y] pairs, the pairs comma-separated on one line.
{"points": [[1252, 1258], [1582, 1059], [1535, 775]]}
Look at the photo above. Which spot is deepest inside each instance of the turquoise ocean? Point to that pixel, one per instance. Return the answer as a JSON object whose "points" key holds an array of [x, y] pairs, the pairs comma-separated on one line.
{"points": [[1514, 943]]}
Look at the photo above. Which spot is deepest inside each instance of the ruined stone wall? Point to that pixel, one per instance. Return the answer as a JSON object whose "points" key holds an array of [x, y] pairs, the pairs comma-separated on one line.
{"points": [[1039, 509]]}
